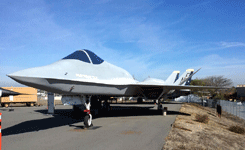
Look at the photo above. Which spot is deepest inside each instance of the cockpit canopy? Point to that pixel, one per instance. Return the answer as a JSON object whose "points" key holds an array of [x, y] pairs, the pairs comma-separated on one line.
{"points": [[85, 56]]}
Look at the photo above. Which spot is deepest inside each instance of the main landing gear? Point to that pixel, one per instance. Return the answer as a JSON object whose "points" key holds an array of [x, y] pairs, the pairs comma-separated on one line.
{"points": [[139, 100], [159, 108]]}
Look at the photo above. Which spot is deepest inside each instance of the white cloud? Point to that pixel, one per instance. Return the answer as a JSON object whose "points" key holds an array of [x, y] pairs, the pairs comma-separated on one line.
{"points": [[232, 44], [148, 36], [217, 60]]}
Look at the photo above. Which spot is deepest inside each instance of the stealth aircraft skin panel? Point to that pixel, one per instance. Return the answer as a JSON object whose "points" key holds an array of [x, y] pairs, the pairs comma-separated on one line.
{"points": [[83, 74], [170, 80]]}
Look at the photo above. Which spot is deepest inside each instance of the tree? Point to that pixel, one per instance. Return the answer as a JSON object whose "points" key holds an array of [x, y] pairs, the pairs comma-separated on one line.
{"points": [[216, 81], [198, 82]]}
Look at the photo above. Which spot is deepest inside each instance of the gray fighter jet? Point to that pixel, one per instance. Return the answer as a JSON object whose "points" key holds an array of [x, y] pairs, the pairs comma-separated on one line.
{"points": [[83, 74]]}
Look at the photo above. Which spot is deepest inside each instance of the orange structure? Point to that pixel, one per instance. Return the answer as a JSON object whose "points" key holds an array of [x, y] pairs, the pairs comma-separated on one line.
{"points": [[28, 96]]}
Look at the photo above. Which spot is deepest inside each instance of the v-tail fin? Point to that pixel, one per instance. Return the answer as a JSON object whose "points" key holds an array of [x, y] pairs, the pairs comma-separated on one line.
{"points": [[173, 77], [185, 78]]}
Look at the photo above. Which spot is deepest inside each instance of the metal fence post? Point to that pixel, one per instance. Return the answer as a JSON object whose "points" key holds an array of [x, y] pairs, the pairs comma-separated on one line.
{"points": [[236, 109], [226, 106], [242, 110], [239, 112], [230, 108]]}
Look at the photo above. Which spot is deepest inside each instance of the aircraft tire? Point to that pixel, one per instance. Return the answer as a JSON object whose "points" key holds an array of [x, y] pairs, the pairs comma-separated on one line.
{"points": [[87, 121]]}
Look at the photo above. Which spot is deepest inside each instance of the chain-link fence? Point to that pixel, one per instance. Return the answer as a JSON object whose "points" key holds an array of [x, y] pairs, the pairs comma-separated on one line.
{"points": [[237, 109]]}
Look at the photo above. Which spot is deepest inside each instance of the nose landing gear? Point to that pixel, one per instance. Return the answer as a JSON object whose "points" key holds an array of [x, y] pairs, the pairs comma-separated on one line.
{"points": [[88, 121], [88, 117]]}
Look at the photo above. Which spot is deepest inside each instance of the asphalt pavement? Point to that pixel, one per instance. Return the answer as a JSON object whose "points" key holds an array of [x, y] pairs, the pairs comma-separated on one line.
{"points": [[126, 126]]}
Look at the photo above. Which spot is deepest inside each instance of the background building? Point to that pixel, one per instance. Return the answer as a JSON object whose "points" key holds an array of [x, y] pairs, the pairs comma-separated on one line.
{"points": [[241, 92]]}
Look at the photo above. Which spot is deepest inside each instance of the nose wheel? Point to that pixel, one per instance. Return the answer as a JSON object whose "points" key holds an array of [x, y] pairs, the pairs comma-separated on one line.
{"points": [[88, 121]]}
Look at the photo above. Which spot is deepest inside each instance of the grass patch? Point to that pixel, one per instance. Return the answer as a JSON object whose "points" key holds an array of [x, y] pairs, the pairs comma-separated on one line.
{"points": [[202, 118], [237, 129]]}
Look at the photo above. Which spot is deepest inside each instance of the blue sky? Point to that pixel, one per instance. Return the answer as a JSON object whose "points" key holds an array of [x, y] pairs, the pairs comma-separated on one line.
{"points": [[145, 37]]}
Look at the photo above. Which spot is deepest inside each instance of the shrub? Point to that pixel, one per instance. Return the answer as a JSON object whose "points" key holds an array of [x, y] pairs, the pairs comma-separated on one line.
{"points": [[237, 129], [202, 118]]}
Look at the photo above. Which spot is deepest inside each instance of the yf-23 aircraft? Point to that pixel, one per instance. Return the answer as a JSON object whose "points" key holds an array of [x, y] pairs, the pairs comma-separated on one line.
{"points": [[83, 77]]}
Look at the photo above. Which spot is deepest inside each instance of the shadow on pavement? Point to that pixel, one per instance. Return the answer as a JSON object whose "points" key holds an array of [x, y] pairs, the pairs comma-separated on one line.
{"points": [[84, 128], [177, 113], [60, 118], [122, 111], [64, 117], [135, 103], [172, 103]]}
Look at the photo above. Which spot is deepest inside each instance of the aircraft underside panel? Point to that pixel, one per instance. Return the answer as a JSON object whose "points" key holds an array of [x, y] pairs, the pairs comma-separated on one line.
{"points": [[68, 87], [72, 100]]}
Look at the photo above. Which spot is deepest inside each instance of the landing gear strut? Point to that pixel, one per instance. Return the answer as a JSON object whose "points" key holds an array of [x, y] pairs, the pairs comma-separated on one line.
{"points": [[159, 108], [88, 117], [106, 108], [139, 100]]}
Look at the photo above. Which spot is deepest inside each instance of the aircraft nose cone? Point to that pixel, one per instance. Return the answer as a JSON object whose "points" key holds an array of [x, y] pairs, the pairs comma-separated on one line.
{"points": [[20, 79], [18, 76], [31, 72], [25, 77], [32, 81]]}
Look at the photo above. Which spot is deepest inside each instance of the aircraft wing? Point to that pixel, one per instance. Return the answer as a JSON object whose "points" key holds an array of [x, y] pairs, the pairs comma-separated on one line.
{"points": [[173, 87], [156, 91]]}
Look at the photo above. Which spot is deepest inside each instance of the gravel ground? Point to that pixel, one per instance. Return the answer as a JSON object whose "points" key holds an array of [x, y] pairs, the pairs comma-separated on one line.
{"points": [[187, 133]]}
